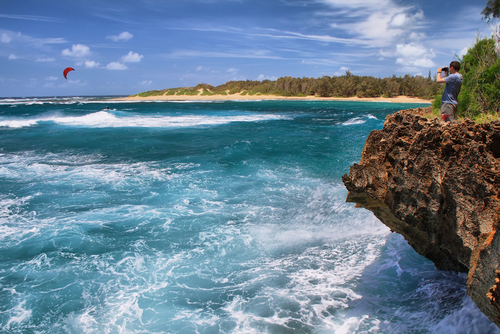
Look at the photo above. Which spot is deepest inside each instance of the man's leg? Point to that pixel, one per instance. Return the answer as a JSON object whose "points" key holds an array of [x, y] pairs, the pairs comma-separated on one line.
{"points": [[448, 112]]}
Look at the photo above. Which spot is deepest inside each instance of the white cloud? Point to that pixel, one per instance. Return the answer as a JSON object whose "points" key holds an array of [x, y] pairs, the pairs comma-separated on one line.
{"points": [[463, 52], [52, 78], [412, 56], [233, 71], [399, 20], [424, 62], [342, 71], [124, 36], [73, 82], [359, 4], [91, 64], [384, 27], [206, 69], [263, 54], [116, 66], [265, 77], [13, 57], [403, 20], [132, 57], [5, 38], [145, 82], [77, 50], [410, 50], [376, 23], [417, 36], [45, 59], [32, 18]]}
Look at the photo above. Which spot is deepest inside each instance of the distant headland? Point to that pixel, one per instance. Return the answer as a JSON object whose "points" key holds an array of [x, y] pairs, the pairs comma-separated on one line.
{"points": [[416, 89]]}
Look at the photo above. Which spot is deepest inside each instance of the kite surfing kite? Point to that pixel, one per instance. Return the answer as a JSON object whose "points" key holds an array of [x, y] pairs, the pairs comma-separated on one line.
{"points": [[66, 70]]}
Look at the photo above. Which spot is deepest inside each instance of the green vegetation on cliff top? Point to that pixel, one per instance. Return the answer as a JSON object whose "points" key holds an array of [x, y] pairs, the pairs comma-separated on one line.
{"points": [[479, 98]]}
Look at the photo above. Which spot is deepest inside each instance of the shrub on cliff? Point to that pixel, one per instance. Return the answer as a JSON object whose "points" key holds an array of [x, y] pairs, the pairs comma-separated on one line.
{"points": [[481, 79]]}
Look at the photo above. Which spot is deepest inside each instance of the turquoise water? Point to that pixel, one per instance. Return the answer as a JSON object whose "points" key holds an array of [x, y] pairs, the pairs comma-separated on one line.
{"points": [[207, 217]]}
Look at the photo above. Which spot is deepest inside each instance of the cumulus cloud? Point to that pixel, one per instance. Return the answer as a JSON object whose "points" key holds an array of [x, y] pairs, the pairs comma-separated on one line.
{"points": [[116, 66], [51, 78], [342, 71], [424, 62], [384, 27], [145, 82], [463, 52], [414, 55], [132, 57], [232, 70], [265, 77], [410, 50], [5, 38], [91, 64], [124, 36], [13, 57], [77, 50], [403, 20], [379, 24]]}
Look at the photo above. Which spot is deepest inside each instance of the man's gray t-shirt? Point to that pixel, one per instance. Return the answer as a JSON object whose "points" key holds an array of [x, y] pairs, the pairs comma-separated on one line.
{"points": [[452, 88]]}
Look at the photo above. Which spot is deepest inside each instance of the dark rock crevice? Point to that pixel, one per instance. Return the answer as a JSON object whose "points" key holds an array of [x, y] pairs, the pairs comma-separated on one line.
{"points": [[438, 185]]}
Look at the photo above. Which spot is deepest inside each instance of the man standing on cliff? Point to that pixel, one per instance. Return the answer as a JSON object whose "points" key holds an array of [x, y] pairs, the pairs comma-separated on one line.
{"points": [[449, 100]]}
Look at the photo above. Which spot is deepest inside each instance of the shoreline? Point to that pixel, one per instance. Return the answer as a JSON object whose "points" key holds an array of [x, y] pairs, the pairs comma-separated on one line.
{"points": [[238, 97]]}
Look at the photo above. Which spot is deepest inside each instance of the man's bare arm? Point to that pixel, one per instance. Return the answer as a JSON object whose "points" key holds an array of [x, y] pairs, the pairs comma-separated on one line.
{"points": [[440, 79]]}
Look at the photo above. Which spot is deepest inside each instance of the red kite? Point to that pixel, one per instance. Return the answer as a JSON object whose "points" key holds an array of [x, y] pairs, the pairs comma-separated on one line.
{"points": [[66, 70]]}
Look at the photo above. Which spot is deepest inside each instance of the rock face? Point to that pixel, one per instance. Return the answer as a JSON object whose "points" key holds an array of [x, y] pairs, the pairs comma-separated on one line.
{"points": [[438, 185]]}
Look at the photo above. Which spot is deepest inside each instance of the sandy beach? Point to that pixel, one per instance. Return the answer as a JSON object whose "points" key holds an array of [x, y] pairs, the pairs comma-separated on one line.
{"points": [[232, 97]]}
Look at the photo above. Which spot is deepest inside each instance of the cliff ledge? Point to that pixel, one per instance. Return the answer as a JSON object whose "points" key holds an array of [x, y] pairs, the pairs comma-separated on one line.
{"points": [[438, 185]]}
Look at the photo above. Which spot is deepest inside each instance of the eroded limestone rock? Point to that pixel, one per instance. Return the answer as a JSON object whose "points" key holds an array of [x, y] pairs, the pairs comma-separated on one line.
{"points": [[438, 185]]}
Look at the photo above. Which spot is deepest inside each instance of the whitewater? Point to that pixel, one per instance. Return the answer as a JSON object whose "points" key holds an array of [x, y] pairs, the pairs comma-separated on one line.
{"points": [[204, 217]]}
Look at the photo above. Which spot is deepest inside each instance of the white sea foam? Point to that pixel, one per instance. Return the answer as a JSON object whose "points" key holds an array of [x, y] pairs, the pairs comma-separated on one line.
{"points": [[45, 100], [19, 315], [354, 121], [359, 120], [465, 320], [103, 119], [15, 222]]}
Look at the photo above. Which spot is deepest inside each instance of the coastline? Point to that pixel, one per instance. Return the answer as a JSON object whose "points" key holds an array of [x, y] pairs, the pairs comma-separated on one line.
{"points": [[238, 97]]}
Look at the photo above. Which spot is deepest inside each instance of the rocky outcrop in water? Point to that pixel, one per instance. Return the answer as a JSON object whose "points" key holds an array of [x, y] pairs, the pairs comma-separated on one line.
{"points": [[438, 185]]}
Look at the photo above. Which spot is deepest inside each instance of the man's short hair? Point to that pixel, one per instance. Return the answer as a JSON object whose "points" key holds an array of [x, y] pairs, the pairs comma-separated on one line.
{"points": [[456, 65]]}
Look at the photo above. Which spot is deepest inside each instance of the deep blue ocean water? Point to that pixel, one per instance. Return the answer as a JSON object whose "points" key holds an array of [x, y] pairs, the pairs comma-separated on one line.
{"points": [[204, 217]]}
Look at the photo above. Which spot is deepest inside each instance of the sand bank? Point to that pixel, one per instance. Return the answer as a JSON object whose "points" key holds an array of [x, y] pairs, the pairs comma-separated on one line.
{"points": [[230, 97]]}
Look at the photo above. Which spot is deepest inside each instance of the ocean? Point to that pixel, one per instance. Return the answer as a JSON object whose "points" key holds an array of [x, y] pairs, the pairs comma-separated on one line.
{"points": [[204, 217]]}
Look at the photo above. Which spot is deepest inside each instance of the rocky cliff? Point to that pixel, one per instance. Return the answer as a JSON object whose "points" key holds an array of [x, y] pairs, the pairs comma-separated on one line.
{"points": [[438, 185]]}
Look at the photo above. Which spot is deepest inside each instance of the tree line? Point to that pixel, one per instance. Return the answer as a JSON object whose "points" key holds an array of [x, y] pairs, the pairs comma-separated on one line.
{"points": [[347, 85]]}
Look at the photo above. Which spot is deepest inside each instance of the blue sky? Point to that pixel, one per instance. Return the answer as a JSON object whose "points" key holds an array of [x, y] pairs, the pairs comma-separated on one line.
{"points": [[125, 47]]}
